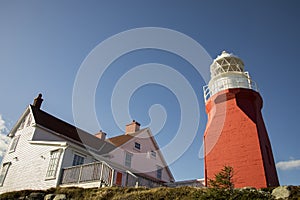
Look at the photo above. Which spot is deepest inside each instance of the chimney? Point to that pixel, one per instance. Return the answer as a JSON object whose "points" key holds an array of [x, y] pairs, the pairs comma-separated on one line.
{"points": [[38, 101], [132, 127], [101, 135]]}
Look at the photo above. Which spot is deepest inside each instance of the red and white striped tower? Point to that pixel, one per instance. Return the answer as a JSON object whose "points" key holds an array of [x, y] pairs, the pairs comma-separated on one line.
{"points": [[235, 133]]}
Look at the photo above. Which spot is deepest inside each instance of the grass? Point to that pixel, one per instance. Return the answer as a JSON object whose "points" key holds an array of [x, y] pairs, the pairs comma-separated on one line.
{"points": [[141, 193]]}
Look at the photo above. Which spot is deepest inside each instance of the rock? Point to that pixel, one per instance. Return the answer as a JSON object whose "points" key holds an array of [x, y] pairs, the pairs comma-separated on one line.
{"points": [[252, 189], [60, 197], [49, 197], [281, 192], [36, 196]]}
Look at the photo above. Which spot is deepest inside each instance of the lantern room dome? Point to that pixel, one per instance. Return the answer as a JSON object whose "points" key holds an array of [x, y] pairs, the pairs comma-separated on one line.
{"points": [[226, 62]]}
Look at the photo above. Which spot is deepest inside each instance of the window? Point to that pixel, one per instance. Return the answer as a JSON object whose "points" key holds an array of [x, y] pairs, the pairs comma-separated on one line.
{"points": [[3, 173], [53, 163], [128, 157], [153, 153], [14, 143], [159, 172], [137, 146], [78, 160]]}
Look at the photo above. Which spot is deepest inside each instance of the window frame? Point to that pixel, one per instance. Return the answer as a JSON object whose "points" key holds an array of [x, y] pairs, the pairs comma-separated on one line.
{"points": [[77, 162], [3, 172], [137, 146], [13, 144], [128, 159], [53, 164], [159, 172], [153, 153]]}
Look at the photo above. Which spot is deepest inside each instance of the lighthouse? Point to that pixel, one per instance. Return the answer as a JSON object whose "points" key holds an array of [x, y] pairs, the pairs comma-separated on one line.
{"points": [[235, 133]]}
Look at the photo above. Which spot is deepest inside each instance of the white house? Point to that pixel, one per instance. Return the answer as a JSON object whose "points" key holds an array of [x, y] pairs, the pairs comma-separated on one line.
{"points": [[47, 152]]}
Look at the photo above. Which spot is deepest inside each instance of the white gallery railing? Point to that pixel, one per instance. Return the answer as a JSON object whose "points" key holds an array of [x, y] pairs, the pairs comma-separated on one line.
{"points": [[228, 83]]}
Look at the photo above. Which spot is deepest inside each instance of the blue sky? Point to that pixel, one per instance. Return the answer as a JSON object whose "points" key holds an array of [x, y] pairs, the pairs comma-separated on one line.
{"points": [[43, 44]]}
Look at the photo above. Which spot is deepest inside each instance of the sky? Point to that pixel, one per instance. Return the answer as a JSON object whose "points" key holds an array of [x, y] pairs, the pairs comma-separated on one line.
{"points": [[45, 47]]}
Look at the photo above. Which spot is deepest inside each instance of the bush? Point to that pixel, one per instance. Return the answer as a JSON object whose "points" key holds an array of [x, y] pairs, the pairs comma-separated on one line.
{"points": [[223, 179]]}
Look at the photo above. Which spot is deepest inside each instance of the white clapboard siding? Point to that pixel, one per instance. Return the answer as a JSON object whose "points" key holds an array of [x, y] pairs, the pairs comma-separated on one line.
{"points": [[29, 164]]}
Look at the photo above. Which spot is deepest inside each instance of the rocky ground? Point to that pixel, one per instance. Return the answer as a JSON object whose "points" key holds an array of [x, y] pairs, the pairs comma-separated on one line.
{"points": [[117, 193]]}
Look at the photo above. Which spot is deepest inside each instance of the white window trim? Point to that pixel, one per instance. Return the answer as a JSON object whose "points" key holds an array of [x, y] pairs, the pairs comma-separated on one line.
{"points": [[125, 156], [5, 173], [135, 148], [13, 144], [56, 164]]}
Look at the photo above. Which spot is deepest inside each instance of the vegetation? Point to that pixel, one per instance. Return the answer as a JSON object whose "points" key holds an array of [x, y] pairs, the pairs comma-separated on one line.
{"points": [[221, 188], [223, 180], [141, 193]]}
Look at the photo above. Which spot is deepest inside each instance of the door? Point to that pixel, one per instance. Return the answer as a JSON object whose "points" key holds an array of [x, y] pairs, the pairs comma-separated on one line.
{"points": [[119, 179]]}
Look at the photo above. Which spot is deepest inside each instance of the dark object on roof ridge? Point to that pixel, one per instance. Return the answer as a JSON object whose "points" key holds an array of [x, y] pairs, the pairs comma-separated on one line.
{"points": [[37, 102]]}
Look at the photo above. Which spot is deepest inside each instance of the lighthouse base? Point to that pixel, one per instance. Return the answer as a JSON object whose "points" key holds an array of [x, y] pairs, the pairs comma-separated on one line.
{"points": [[236, 136]]}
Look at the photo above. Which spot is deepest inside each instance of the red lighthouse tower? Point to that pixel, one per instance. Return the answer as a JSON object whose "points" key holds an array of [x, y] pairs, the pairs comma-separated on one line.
{"points": [[235, 133]]}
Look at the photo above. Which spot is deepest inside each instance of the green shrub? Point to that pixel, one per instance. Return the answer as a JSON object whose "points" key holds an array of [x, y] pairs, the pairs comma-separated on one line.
{"points": [[223, 179]]}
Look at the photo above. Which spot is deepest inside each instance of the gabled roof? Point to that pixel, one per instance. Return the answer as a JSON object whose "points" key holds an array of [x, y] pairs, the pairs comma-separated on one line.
{"points": [[123, 139], [69, 131], [17, 124]]}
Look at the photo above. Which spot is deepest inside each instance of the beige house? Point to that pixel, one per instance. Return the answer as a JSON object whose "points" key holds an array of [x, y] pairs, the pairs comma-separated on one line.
{"points": [[138, 150]]}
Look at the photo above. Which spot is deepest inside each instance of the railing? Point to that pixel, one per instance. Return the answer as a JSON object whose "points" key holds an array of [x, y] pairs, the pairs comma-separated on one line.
{"points": [[142, 180], [227, 83], [101, 174], [97, 171]]}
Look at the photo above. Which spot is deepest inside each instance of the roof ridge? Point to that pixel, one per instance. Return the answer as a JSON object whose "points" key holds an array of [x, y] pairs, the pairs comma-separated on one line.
{"points": [[131, 134], [67, 130], [69, 124]]}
